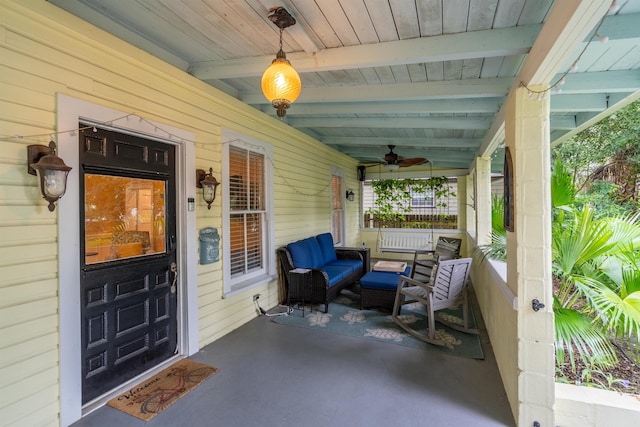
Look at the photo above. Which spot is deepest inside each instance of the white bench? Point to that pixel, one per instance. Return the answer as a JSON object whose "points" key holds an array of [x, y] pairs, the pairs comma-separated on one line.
{"points": [[404, 242]]}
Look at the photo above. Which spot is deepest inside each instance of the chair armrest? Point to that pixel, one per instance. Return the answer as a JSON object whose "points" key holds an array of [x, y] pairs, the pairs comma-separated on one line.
{"points": [[414, 282]]}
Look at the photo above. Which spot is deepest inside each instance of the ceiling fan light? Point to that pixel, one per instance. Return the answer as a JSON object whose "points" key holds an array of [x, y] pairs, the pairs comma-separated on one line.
{"points": [[391, 167]]}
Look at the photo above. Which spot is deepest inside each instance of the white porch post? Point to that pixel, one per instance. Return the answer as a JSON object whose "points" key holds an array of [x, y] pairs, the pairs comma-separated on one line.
{"points": [[469, 207], [461, 199], [483, 200], [529, 254]]}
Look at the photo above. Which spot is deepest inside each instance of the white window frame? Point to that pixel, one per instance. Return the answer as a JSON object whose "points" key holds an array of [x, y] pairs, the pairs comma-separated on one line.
{"points": [[337, 172], [236, 285]]}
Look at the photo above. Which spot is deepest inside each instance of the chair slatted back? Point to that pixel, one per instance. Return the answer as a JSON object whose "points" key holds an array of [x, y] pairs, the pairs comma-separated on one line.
{"points": [[450, 279], [448, 247]]}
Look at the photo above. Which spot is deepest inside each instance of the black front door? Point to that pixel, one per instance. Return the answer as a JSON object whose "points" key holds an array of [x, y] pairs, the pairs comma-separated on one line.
{"points": [[128, 261]]}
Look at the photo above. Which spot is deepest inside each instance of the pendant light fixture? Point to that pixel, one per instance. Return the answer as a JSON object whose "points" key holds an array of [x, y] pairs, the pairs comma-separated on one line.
{"points": [[280, 82]]}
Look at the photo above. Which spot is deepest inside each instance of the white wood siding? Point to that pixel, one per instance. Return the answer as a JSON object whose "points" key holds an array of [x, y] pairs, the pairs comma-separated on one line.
{"points": [[43, 52]]}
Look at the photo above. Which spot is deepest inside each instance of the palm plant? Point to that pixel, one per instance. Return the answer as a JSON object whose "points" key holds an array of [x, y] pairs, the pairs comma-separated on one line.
{"points": [[574, 246], [596, 274], [595, 270], [497, 249]]}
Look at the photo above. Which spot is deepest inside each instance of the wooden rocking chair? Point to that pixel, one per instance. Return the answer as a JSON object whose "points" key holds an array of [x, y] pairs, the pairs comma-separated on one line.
{"points": [[423, 260], [446, 289]]}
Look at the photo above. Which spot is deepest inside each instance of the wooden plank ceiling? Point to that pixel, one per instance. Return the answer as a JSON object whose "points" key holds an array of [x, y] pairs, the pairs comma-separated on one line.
{"points": [[428, 76]]}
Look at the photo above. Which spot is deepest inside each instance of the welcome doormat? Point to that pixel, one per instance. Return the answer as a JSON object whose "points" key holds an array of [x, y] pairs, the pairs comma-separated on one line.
{"points": [[346, 318], [154, 395]]}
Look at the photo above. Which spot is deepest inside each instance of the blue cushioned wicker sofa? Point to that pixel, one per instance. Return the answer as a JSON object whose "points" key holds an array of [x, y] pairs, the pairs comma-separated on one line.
{"points": [[331, 270]]}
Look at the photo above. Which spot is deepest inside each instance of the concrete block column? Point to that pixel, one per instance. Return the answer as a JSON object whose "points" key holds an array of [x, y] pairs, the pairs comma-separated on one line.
{"points": [[529, 254]]}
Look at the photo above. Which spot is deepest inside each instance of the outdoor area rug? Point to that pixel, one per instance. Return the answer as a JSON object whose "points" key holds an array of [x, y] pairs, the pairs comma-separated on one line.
{"points": [[346, 318], [152, 396]]}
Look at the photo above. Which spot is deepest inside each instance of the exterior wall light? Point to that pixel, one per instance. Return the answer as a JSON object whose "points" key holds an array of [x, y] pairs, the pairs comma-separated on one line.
{"points": [[350, 195], [208, 183], [362, 173], [43, 162]]}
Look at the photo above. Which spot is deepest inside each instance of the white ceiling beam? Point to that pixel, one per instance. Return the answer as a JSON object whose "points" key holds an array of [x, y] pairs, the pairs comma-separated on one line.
{"points": [[452, 123], [366, 141], [563, 122], [450, 158], [455, 89], [391, 123], [614, 104], [484, 105], [563, 103], [477, 44], [621, 27], [601, 81]]}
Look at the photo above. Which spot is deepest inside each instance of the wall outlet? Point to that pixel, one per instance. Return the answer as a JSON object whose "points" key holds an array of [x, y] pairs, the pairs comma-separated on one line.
{"points": [[256, 297]]}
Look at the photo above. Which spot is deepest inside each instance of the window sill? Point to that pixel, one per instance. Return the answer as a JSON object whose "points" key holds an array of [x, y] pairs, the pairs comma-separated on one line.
{"points": [[254, 282]]}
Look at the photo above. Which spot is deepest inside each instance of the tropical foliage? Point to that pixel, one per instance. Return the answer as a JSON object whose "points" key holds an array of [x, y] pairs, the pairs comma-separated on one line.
{"points": [[596, 275], [604, 162]]}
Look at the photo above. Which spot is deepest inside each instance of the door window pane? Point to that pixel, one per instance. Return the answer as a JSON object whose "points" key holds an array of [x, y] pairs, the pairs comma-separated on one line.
{"points": [[124, 217]]}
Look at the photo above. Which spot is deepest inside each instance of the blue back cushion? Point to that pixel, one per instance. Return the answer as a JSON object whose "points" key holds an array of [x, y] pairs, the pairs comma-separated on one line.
{"points": [[300, 254], [325, 241], [315, 252], [306, 253]]}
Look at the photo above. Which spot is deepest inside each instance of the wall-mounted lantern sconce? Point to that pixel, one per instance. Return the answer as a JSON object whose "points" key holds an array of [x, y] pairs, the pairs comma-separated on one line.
{"points": [[362, 173], [208, 183], [350, 195], [43, 162]]}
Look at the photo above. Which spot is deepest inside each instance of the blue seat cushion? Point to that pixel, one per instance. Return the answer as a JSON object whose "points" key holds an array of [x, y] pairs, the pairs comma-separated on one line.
{"points": [[406, 272], [336, 273], [381, 280], [353, 264], [325, 240]]}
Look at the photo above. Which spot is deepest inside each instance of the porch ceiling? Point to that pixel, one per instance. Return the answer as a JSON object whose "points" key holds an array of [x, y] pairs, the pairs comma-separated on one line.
{"points": [[428, 76]]}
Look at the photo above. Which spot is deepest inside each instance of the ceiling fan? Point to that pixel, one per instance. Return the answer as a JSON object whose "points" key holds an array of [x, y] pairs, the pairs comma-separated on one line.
{"points": [[392, 161]]}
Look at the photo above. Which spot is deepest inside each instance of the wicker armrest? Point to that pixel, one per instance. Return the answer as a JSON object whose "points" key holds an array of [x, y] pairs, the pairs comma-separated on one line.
{"points": [[348, 254]]}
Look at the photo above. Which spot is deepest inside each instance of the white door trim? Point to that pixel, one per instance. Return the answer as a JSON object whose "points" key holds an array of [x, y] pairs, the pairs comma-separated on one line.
{"points": [[70, 112]]}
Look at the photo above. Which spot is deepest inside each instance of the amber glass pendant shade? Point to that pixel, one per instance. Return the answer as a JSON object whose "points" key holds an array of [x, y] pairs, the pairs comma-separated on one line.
{"points": [[281, 84]]}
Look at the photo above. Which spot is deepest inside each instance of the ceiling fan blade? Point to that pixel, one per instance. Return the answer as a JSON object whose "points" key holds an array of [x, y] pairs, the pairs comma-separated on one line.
{"points": [[412, 162], [392, 158]]}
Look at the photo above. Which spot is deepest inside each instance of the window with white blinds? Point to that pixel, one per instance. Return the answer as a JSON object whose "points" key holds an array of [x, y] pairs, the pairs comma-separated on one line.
{"points": [[246, 187], [246, 174]]}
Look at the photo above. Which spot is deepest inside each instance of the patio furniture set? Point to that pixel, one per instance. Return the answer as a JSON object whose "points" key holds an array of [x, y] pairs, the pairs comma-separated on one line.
{"points": [[313, 271]]}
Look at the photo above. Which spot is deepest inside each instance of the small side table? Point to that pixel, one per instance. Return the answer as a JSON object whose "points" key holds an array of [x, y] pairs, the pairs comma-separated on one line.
{"points": [[298, 286]]}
